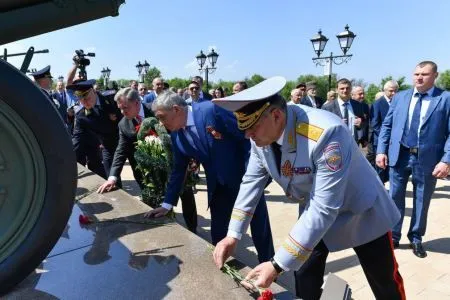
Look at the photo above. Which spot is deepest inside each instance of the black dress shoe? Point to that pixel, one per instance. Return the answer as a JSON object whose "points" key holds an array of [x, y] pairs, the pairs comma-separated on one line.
{"points": [[418, 249], [396, 244]]}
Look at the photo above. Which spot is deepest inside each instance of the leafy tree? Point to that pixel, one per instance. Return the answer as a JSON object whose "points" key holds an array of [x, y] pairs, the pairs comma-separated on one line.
{"points": [[321, 83], [227, 86], [286, 91], [358, 82], [123, 82], [254, 80], [152, 73], [371, 92], [178, 83], [444, 80], [401, 83]]}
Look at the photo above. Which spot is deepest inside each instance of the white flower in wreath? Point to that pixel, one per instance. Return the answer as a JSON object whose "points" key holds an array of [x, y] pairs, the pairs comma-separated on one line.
{"points": [[151, 139]]}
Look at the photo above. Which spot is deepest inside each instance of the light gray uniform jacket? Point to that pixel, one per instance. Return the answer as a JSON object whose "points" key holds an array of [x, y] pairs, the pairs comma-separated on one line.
{"points": [[348, 205]]}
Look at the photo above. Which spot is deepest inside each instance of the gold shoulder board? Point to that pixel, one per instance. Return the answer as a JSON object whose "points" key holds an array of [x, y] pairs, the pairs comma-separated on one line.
{"points": [[310, 131]]}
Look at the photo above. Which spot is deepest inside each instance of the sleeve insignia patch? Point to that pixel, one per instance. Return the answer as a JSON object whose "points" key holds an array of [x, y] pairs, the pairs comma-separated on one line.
{"points": [[309, 131], [333, 156]]}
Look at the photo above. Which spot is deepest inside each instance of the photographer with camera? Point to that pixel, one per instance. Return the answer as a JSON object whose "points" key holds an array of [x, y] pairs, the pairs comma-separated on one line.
{"points": [[95, 134]]}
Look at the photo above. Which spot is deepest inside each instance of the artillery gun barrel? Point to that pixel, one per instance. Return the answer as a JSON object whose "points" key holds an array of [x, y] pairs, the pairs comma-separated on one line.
{"points": [[21, 19]]}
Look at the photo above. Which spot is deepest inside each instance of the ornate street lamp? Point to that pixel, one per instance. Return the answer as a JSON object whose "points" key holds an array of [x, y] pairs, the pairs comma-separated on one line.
{"points": [[106, 72], [142, 70], [61, 78], [319, 41], [210, 67]]}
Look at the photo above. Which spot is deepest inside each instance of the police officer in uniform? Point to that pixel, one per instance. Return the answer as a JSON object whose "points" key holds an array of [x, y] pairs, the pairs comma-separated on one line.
{"points": [[95, 134], [311, 151], [43, 79]]}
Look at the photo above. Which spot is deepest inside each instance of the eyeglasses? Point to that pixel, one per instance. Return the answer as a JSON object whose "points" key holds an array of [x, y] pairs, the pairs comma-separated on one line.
{"points": [[193, 88], [142, 89]]}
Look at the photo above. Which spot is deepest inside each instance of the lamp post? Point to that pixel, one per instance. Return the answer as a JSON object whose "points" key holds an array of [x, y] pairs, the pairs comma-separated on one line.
{"points": [[142, 70], [319, 41], [207, 67], [61, 78], [105, 75]]}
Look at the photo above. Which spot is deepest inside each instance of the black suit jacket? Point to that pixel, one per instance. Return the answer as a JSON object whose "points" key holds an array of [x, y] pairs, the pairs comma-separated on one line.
{"points": [[358, 109], [126, 147], [306, 101]]}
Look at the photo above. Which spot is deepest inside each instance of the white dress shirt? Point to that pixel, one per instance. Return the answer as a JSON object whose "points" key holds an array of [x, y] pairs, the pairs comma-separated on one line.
{"points": [[423, 109], [351, 115]]}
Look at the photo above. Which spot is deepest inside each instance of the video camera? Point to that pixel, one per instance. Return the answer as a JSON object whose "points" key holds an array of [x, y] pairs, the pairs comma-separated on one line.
{"points": [[81, 62]]}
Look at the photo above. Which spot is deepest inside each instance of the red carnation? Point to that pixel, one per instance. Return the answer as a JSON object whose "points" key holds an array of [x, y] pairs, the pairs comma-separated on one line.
{"points": [[137, 127], [151, 132], [84, 220], [266, 295]]}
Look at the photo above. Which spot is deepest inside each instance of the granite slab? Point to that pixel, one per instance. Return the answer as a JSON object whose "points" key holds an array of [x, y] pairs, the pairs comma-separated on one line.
{"points": [[120, 257]]}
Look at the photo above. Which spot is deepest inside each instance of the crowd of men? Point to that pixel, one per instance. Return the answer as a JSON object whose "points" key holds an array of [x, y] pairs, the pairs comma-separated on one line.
{"points": [[333, 156]]}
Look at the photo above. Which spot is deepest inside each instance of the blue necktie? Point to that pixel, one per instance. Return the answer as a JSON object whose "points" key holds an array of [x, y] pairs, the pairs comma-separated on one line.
{"points": [[412, 137], [190, 136], [346, 112]]}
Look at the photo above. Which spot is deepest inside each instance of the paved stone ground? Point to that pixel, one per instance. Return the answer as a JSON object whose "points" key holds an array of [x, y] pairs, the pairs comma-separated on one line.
{"points": [[427, 278]]}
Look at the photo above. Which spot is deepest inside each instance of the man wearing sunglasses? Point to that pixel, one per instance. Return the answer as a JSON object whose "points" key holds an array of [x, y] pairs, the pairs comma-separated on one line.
{"points": [[194, 92]]}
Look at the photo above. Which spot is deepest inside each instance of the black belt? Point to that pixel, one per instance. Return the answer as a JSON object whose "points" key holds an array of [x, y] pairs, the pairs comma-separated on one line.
{"points": [[414, 150]]}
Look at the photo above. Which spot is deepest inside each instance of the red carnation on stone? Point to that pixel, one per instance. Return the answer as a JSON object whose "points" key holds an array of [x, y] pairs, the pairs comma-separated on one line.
{"points": [[84, 220], [266, 295]]}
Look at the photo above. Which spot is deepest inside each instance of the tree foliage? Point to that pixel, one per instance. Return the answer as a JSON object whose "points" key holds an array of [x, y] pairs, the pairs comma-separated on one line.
{"points": [[444, 80], [371, 91], [152, 73], [178, 83]]}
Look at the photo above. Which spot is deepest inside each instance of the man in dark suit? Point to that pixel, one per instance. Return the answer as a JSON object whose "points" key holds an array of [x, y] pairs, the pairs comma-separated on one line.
{"points": [[358, 95], [378, 113], [415, 140], [134, 112], [311, 99], [350, 111], [95, 135], [210, 135]]}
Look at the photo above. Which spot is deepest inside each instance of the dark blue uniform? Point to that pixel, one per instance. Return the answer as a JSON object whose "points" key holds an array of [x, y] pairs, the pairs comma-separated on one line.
{"points": [[95, 135]]}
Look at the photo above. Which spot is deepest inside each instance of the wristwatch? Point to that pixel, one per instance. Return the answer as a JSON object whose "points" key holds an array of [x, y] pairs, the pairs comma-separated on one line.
{"points": [[276, 266]]}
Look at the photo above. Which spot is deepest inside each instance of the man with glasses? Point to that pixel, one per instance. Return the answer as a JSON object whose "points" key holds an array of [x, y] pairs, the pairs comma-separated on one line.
{"points": [[134, 112], [95, 134], [202, 94], [142, 89], [194, 93]]}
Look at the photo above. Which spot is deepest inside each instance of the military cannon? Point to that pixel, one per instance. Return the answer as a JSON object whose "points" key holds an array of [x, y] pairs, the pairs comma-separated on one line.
{"points": [[38, 171]]}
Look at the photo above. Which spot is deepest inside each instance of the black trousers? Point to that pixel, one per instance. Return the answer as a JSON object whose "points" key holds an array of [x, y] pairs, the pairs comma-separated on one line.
{"points": [[221, 207], [377, 260], [189, 209]]}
